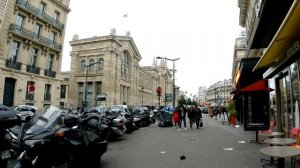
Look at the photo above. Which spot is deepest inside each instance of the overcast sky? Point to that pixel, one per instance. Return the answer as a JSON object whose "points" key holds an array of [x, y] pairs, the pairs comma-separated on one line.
{"points": [[200, 32]]}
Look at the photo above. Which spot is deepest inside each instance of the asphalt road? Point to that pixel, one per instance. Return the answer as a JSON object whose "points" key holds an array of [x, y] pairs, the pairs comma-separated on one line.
{"points": [[213, 146]]}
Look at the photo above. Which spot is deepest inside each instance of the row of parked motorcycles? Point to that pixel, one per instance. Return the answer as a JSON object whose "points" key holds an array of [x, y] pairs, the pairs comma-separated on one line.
{"points": [[62, 138]]}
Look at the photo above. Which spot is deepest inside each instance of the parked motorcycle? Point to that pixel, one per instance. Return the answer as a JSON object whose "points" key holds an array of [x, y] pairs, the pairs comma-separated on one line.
{"points": [[129, 123], [8, 119], [144, 115], [153, 117], [58, 139], [116, 122]]}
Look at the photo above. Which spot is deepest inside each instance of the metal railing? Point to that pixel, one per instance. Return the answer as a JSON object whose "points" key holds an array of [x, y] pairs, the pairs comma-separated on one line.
{"points": [[30, 35], [33, 69], [47, 97], [49, 73], [34, 10], [13, 64]]}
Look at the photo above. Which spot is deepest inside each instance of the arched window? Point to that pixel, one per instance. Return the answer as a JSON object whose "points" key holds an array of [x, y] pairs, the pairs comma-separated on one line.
{"points": [[101, 64], [125, 59], [125, 65], [82, 65], [91, 68]]}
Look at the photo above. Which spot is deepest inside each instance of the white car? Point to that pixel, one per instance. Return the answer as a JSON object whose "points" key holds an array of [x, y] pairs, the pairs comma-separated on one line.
{"points": [[27, 112]]}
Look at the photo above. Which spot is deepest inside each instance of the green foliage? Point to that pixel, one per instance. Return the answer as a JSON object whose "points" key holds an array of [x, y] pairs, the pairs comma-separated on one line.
{"points": [[188, 101], [231, 109]]}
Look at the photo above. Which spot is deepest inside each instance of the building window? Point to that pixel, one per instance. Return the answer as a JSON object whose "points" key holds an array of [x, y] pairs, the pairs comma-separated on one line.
{"points": [[34, 54], [19, 21], [101, 64], [62, 104], [91, 68], [47, 93], [82, 65], [37, 30], [42, 8], [125, 65], [56, 15], [52, 36], [14, 51], [63, 90], [50, 62], [29, 94]]}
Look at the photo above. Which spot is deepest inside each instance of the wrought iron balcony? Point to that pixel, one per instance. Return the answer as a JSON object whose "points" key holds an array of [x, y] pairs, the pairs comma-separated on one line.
{"points": [[29, 96], [49, 73], [33, 69], [47, 97], [13, 64], [34, 10], [30, 35]]}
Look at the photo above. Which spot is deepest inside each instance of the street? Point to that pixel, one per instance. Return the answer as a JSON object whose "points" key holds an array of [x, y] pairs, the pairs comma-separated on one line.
{"points": [[215, 145]]}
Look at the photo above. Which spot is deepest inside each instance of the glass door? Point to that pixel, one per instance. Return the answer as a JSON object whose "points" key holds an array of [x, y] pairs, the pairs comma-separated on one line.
{"points": [[284, 113]]}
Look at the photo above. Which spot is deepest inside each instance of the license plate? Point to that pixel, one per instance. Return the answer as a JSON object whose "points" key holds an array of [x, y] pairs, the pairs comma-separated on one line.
{"points": [[5, 154]]}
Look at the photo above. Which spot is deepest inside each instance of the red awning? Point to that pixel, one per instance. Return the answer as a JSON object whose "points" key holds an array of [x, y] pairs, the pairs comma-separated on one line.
{"points": [[256, 86]]}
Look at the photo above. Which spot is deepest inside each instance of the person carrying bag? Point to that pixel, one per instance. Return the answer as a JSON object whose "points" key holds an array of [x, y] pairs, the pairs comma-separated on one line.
{"points": [[198, 117]]}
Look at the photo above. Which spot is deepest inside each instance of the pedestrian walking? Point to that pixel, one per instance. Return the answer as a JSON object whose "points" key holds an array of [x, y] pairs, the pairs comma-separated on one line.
{"points": [[176, 117], [210, 111], [191, 116], [182, 116], [221, 111], [198, 117]]}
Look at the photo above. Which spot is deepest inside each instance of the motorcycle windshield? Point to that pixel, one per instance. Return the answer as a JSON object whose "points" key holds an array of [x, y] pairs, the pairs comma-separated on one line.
{"points": [[50, 118]]}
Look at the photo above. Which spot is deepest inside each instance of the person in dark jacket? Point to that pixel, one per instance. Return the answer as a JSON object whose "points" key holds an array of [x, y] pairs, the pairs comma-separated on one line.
{"points": [[198, 116], [191, 116], [182, 116]]}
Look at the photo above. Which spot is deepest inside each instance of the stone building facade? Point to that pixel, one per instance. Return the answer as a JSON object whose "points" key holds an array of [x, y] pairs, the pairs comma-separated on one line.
{"points": [[32, 34], [219, 92], [105, 70]]}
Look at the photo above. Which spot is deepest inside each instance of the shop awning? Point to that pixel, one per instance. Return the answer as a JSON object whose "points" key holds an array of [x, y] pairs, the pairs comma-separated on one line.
{"points": [[283, 39], [259, 85]]}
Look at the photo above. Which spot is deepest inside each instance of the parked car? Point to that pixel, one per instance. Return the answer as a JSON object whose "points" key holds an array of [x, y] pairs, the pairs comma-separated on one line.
{"points": [[121, 108], [24, 106], [204, 110], [26, 112]]}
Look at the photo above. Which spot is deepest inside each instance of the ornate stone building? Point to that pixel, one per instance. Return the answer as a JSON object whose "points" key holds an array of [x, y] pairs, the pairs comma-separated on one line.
{"points": [[32, 33], [105, 70], [219, 92]]}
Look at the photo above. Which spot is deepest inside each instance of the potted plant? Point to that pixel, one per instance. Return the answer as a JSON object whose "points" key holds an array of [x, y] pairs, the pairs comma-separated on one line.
{"points": [[232, 113]]}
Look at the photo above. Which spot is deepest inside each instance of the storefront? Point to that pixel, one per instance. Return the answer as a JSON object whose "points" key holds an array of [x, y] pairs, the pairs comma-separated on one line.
{"points": [[251, 96], [282, 60]]}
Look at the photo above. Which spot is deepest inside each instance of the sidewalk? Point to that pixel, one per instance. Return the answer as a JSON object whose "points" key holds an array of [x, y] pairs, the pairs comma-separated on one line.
{"points": [[243, 144]]}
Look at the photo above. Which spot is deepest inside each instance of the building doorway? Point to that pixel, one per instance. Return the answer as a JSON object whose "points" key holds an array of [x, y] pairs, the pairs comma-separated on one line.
{"points": [[9, 92]]}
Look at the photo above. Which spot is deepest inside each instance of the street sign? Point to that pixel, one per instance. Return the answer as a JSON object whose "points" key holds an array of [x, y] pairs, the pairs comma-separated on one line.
{"points": [[168, 96], [31, 89]]}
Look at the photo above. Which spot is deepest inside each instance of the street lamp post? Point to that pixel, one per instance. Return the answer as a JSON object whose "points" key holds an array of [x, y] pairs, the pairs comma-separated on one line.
{"points": [[174, 88], [85, 88]]}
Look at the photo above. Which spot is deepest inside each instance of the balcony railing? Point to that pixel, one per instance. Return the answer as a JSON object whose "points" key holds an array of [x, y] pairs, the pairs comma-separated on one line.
{"points": [[30, 35], [34, 10], [47, 97], [33, 69], [13, 64], [49, 73], [29, 96]]}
